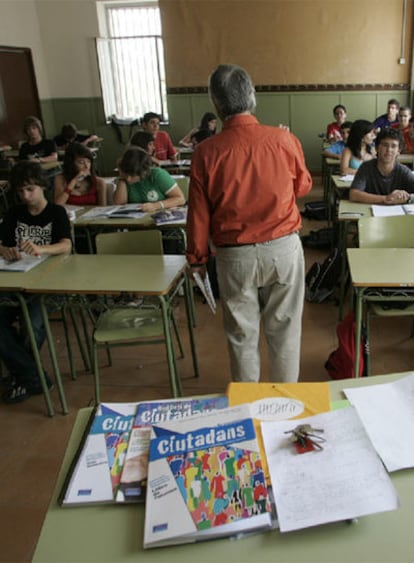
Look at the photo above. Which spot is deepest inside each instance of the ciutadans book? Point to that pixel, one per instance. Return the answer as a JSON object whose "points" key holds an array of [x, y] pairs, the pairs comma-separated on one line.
{"points": [[205, 479], [96, 471], [132, 487]]}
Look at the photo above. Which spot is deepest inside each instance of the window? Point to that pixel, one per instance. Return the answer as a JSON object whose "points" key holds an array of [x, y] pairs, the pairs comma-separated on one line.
{"points": [[131, 59]]}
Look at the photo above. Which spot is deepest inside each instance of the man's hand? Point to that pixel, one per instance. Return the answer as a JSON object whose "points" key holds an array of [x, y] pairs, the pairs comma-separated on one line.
{"points": [[397, 197]]}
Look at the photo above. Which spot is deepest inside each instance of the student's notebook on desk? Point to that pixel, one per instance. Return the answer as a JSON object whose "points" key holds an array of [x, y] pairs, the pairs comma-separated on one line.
{"points": [[392, 210], [26, 263]]}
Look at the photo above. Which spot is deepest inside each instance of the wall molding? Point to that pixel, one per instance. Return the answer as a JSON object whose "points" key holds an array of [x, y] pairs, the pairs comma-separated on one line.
{"points": [[301, 88]]}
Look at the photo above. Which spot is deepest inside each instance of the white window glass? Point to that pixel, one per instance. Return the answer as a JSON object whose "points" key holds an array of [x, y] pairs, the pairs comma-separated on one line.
{"points": [[131, 61]]}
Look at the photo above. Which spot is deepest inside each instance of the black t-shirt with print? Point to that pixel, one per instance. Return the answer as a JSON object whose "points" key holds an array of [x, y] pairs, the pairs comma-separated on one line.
{"points": [[46, 147], [49, 227]]}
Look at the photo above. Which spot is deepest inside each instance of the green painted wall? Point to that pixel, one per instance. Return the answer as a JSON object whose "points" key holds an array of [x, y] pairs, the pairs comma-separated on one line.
{"points": [[307, 114]]}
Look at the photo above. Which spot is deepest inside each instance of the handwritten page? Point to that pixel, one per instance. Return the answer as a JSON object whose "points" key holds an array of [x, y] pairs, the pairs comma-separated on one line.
{"points": [[99, 211], [344, 481], [387, 412], [347, 178]]}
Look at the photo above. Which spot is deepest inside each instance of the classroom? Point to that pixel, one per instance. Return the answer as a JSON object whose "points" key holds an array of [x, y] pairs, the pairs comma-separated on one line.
{"points": [[304, 57]]}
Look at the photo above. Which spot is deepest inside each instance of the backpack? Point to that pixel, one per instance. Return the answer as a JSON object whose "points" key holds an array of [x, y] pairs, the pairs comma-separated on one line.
{"points": [[322, 238], [322, 279], [340, 364], [316, 211]]}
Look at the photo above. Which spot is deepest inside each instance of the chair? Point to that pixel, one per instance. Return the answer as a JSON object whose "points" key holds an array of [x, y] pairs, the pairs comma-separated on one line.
{"points": [[386, 232], [121, 326]]}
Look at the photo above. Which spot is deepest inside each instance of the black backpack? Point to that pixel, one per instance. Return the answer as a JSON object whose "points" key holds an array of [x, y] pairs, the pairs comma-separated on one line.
{"points": [[322, 279], [316, 211]]}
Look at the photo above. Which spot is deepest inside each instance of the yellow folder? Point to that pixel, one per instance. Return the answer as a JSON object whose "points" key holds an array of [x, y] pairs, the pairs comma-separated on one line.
{"points": [[279, 401]]}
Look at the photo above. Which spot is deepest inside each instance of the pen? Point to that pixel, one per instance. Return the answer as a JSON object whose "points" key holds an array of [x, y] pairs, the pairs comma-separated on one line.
{"points": [[352, 213]]}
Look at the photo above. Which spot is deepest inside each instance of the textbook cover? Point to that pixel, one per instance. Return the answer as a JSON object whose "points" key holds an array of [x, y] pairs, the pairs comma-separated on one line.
{"points": [[279, 401], [205, 479], [96, 470], [170, 216], [132, 486]]}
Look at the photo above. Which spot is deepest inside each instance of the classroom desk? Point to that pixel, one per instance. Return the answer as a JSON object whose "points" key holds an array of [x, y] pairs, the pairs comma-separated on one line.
{"points": [[113, 533], [372, 268], [407, 159], [102, 224], [349, 212], [85, 274], [329, 166], [18, 283]]}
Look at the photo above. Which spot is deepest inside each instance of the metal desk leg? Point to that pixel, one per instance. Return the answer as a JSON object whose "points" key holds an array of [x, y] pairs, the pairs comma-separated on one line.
{"points": [[172, 365], [53, 357], [36, 355], [343, 235], [358, 327], [188, 303]]}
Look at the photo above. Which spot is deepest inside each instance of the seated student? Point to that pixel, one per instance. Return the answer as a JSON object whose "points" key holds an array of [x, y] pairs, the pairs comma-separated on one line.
{"points": [[164, 149], [140, 182], [78, 183], [35, 227], [208, 122], [333, 130], [409, 138], [383, 179], [146, 142], [200, 136], [359, 146], [36, 148], [69, 134], [403, 119], [336, 149], [389, 118]]}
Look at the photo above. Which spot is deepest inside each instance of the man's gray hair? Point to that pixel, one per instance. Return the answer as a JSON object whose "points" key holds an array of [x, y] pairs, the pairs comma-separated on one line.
{"points": [[231, 90]]}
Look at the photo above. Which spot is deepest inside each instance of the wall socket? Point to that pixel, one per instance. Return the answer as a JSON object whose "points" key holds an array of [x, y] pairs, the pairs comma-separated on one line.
{"points": [[401, 61]]}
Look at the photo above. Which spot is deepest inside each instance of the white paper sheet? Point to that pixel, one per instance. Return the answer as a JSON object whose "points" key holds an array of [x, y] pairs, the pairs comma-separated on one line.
{"points": [[343, 481], [387, 412]]}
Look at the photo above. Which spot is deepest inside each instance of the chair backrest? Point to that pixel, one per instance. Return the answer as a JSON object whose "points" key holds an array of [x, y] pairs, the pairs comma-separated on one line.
{"points": [[183, 183], [130, 242], [386, 232]]}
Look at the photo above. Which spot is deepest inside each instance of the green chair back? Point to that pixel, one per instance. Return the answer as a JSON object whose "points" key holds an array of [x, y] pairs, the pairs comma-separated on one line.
{"points": [[184, 184], [386, 232], [130, 242]]}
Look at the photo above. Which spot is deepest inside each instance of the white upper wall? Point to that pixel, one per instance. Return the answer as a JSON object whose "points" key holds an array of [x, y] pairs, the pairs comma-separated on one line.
{"points": [[19, 27], [61, 35], [68, 30]]}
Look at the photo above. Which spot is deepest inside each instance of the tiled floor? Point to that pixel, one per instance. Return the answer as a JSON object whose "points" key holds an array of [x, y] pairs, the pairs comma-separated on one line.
{"points": [[32, 445]]}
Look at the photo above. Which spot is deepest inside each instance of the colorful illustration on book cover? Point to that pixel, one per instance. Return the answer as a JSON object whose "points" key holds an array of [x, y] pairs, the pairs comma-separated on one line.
{"points": [[220, 485]]}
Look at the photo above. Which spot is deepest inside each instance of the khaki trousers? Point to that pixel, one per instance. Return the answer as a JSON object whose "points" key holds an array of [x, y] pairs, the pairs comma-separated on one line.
{"points": [[265, 282]]}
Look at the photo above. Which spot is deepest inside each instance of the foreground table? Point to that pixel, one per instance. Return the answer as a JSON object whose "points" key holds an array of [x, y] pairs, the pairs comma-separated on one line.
{"points": [[113, 533]]}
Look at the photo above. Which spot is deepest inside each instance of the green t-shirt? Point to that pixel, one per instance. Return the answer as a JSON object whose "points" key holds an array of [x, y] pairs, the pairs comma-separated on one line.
{"points": [[152, 188]]}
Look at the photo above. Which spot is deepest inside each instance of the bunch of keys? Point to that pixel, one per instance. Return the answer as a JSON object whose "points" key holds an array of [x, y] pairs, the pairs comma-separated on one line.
{"points": [[305, 438]]}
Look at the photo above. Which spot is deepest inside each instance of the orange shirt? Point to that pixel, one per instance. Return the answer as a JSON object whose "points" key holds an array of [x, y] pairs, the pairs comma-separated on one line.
{"points": [[243, 187]]}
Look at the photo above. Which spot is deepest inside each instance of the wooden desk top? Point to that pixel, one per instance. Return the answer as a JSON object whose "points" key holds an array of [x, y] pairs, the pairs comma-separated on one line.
{"points": [[381, 267], [19, 281], [341, 184], [109, 274], [352, 211], [114, 533]]}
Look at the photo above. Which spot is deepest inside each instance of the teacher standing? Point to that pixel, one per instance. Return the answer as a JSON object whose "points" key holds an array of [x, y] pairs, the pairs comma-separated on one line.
{"points": [[243, 189]]}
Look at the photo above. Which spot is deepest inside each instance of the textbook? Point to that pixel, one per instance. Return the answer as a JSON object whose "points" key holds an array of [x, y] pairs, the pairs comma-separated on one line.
{"points": [[132, 486], [391, 210], [172, 216], [128, 211], [205, 479], [96, 469], [26, 263], [279, 401]]}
